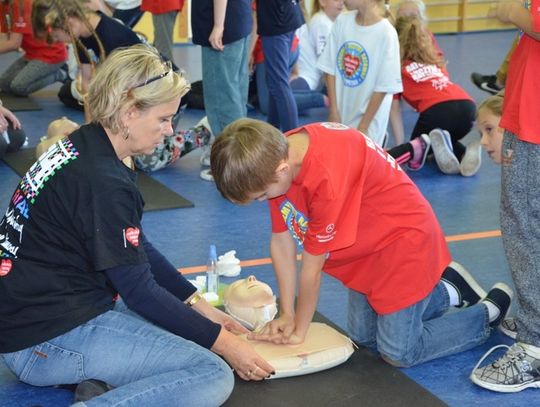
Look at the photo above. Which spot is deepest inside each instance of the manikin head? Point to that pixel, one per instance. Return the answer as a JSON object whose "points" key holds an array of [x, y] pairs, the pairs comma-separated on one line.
{"points": [[57, 130], [251, 302]]}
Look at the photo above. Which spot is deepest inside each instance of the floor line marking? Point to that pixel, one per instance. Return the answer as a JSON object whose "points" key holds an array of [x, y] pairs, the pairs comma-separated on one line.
{"points": [[260, 262]]}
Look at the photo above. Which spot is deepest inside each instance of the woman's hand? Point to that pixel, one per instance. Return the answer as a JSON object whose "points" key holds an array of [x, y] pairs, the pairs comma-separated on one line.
{"points": [[6, 115], [227, 322], [241, 356]]}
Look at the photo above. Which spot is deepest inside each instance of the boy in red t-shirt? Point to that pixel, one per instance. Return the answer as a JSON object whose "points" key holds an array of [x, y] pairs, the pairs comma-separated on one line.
{"points": [[358, 217], [519, 368], [40, 65]]}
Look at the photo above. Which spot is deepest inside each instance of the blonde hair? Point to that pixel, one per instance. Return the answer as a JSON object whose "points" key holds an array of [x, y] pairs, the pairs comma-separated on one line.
{"points": [[48, 15], [415, 43], [245, 157], [493, 103], [134, 76], [420, 5]]}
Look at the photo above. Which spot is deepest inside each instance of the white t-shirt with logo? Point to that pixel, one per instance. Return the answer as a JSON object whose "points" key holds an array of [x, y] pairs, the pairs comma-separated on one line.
{"points": [[313, 37], [363, 59]]}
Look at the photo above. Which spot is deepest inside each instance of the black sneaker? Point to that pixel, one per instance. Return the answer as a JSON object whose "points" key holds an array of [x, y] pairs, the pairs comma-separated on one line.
{"points": [[500, 295], [89, 389], [487, 83], [469, 291], [508, 327]]}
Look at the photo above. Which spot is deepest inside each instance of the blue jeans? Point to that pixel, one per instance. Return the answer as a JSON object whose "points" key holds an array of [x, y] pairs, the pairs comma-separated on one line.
{"points": [[147, 365], [226, 81], [420, 332], [282, 110]]}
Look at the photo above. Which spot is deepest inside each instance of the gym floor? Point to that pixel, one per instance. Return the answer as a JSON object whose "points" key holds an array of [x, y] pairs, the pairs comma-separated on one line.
{"points": [[467, 208]]}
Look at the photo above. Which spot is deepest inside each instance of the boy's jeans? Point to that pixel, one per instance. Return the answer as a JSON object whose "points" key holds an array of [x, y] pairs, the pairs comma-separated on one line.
{"points": [[148, 365], [420, 332]]}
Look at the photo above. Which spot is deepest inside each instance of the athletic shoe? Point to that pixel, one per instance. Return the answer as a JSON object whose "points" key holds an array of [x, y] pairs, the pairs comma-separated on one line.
{"points": [[500, 295], [508, 327], [514, 371], [471, 161], [469, 291], [207, 175], [88, 389], [420, 152], [441, 143], [487, 83], [205, 149]]}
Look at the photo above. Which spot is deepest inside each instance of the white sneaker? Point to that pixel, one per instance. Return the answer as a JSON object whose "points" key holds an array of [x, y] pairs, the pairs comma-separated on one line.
{"points": [[207, 175], [441, 144], [204, 122], [470, 164], [205, 156]]}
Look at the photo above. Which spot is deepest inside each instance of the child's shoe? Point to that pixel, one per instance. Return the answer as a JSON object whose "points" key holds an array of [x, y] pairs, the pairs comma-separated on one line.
{"points": [[508, 327], [206, 144], [487, 83], [441, 143], [471, 161], [420, 152], [206, 175], [469, 291], [500, 296], [516, 370]]}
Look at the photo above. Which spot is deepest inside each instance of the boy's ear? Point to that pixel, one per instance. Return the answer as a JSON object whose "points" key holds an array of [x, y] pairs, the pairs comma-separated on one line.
{"points": [[282, 168]]}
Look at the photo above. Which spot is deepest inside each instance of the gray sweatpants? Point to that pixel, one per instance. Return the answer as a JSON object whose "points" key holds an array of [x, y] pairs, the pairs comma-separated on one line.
{"points": [[520, 225]]}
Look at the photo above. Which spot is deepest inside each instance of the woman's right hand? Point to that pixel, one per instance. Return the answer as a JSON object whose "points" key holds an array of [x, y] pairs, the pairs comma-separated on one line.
{"points": [[241, 356]]}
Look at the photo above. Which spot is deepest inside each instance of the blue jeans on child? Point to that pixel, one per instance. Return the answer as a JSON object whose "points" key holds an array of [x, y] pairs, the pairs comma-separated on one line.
{"points": [[282, 110], [420, 332], [147, 365]]}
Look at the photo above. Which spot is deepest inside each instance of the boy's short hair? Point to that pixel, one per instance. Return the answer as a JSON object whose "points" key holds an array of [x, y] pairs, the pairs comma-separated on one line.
{"points": [[245, 157]]}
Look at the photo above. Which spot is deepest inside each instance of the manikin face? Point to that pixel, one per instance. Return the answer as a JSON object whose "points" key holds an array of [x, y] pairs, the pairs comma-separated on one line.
{"points": [[491, 134], [332, 8], [148, 128], [61, 127]]}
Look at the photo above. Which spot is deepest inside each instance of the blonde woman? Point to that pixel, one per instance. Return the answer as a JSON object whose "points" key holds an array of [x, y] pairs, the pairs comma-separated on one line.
{"points": [[107, 306]]}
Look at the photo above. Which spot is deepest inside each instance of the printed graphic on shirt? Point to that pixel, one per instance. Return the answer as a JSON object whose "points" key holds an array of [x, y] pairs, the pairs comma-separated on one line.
{"points": [[330, 234], [131, 236], [382, 152], [352, 63], [296, 221], [5, 267], [428, 72], [334, 126], [12, 224]]}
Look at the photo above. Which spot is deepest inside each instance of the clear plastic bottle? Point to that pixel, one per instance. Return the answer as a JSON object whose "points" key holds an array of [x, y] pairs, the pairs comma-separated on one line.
{"points": [[212, 279]]}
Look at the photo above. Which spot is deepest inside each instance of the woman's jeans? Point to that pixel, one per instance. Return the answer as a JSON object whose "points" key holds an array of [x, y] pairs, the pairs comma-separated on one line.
{"points": [[420, 332], [147, 365]]}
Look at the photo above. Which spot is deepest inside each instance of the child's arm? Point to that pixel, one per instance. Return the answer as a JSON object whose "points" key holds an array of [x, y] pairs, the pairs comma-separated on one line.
{"points": [[216, 36], [333, 113], [372, 107], [513, 12], [86, 76], [11, 42], [396, 122]]}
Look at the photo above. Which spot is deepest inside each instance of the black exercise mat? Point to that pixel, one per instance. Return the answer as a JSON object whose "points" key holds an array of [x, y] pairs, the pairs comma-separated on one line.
{"points": [[364, 380], [156, 195], [18, 103]]}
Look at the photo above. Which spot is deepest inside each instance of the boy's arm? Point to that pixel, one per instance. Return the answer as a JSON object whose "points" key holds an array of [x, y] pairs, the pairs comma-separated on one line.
{"points": [[513, 12], [216, 36], [333, 113], [372, 107], [308, 293], [283, 253]]}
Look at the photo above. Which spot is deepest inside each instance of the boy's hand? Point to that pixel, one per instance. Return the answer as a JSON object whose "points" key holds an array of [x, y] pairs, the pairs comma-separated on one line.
{"points": [[277, 331]]}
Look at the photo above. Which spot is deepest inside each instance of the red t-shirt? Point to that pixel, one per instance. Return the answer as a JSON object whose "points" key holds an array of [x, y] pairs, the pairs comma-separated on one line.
{"points": [[521, 97], [34, 48], [425, 85], [162, 6], [352, 201]]}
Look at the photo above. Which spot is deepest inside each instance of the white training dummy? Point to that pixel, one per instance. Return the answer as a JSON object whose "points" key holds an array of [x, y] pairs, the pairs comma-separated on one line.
{"points": [[57, 130], [253, 304]]}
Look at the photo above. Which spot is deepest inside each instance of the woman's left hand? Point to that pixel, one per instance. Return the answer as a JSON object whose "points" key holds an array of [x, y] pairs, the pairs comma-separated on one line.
{"points": [[229, 323]]}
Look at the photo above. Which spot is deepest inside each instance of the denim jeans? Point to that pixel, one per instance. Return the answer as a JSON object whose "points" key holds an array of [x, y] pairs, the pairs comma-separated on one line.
{"points": [[147, 365], [226, 81], [420, 332], [282, 110], [24, 77]]}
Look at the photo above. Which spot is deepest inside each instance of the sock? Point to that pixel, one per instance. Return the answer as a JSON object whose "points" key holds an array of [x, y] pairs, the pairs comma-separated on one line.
{"points": [[453, 294], [417, 145], [493, 310]]}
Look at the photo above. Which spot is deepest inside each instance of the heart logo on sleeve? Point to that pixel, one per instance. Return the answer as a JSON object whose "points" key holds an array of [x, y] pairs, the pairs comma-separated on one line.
{"points": [[132, 236], [5, 267]]}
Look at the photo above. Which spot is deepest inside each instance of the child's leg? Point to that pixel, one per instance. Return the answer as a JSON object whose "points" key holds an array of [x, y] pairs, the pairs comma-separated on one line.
{"points": [[520, 225], [362, 320], [407, 337], [35, 76], [10, 73]]}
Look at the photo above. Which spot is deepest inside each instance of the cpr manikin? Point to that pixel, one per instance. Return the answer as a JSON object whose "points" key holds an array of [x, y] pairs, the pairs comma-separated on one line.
{"points": [[252, 303]]}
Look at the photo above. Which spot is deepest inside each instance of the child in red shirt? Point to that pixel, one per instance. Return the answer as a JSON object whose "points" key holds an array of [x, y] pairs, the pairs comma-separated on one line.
{"points": [[341, 198], [519, 368]]}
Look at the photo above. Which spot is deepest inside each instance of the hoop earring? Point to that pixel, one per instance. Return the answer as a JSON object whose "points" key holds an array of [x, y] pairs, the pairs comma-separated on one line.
{"points": [[126, 133]]}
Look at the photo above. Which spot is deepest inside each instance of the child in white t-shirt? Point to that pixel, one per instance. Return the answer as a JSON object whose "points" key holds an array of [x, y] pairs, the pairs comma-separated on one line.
{"points": [[362, 65]]}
